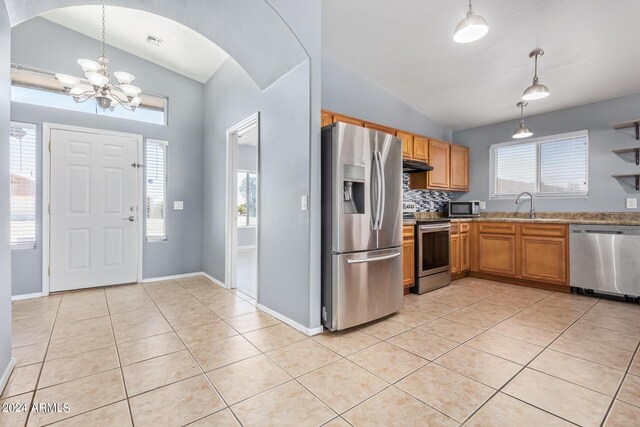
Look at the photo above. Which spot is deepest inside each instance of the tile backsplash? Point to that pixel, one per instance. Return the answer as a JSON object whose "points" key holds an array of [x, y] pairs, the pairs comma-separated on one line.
{"points": [[425, 200]]}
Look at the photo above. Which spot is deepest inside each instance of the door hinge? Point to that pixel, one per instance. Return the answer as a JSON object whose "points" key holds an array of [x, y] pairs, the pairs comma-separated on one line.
{"points": [[49, 145], [49, 273], [49, 208], [136, 165]]}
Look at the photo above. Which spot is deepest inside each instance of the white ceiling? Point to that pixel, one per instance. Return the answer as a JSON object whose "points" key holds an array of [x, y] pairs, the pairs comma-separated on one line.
{"points": [[407, 47], [183, 50]]}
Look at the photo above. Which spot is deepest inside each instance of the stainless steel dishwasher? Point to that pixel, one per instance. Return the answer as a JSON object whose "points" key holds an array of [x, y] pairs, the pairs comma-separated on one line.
{"points": [[606, 258]]}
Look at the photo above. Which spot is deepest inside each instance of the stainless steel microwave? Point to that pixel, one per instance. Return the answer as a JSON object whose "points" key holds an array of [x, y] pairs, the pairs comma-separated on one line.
{"points": [[462, 209]]}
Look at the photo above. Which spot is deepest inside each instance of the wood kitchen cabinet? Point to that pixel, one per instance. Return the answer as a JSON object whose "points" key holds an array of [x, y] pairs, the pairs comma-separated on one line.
{"points": [[526, 253], [347, 119], [326, 118], [460, 249], [407, 144], [544, 252], [408, 258], [439, 158], [380, 128], [459, 169], [421, 148]]}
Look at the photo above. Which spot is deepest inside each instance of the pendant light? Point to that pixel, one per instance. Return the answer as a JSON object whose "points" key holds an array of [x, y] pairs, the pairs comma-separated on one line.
{"points": [[536, 90], [473, 27], [522, 131]]}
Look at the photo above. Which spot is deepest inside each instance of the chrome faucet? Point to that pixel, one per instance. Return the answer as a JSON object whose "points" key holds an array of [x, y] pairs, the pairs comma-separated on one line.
{"points": [[532, 212]]}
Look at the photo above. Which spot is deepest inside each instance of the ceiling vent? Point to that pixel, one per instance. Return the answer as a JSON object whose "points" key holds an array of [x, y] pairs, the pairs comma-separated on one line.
{"points": [[156, 41]]}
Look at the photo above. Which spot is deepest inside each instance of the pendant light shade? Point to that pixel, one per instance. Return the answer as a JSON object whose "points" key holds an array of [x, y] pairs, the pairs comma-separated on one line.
{"points": [[536, 90], [473, 27], [522, 131]]}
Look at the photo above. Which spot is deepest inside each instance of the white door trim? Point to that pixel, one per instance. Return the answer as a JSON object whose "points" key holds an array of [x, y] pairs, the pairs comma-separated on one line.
{"points": [[46, 189], [231, 202]]}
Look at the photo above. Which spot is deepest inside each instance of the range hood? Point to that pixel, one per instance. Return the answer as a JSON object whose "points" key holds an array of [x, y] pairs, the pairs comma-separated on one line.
{"points": [[415, 166]]}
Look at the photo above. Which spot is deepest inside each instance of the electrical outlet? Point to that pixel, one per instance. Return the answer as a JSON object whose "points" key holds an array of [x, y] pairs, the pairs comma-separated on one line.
{"points": [[632, 203], [178, 205], [483, 205], [304, 205]]}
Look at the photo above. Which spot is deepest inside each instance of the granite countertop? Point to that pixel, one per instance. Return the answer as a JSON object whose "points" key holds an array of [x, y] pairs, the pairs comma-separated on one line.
{"points": [[595, 218]]}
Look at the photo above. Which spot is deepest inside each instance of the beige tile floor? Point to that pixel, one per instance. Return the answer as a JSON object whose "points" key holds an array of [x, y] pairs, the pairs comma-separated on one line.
{"points": [[476, 353]]}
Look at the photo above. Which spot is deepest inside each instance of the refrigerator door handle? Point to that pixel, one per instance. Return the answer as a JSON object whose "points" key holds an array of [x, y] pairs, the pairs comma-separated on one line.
{"points": [[383, 188], [379, 258], [377, 192]]}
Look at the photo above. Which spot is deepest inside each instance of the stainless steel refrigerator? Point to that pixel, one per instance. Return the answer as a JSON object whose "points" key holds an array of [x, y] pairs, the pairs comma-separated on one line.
{"points": [[361, 225]]}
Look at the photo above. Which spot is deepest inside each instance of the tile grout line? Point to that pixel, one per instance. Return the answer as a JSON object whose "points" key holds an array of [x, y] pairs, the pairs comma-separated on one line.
{"points": [[624, 377], [115, 343], [35, 387], [500, 390], [203, 372]]}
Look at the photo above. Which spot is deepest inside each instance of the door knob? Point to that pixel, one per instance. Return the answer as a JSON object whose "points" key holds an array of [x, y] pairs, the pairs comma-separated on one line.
{"points": [[131, 218]]}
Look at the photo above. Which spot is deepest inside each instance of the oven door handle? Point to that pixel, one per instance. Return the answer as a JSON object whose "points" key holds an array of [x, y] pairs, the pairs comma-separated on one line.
{"points": [[435, 227], [374, 259]]}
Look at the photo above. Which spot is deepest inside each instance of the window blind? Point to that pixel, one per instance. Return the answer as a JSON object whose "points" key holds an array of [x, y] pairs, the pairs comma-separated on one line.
{"points": [[22, 200], [156, 189], [551, 166]]}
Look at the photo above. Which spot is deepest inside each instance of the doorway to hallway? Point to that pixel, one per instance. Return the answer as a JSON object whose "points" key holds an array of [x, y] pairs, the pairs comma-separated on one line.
{"points": [[243, 141]]}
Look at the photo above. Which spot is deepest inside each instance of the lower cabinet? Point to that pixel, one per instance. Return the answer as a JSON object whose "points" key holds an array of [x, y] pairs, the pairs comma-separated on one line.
{"points": [[527, 251], [408, 257], [544, 258], [497, 254], [460, 248]]}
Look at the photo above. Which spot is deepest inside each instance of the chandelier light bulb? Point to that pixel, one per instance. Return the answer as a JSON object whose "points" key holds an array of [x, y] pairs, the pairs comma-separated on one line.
{"points": [[66, 80], [97, 79], [88, 65], [124, 78]]}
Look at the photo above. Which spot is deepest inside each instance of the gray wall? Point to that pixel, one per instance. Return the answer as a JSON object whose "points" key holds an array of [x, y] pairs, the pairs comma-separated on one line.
{"points": [[346, 92], [606, 194], [231, 96], [182, 252], [5, 254]]}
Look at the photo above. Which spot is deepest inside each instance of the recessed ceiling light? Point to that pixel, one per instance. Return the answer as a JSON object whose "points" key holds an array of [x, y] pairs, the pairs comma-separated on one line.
{"points": [[473, 27], [156, 41]]}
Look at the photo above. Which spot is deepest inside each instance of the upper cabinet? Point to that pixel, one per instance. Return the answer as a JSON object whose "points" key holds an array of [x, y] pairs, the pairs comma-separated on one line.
{"points": [[347, 119], [440, 159], [407, 144], [420, 148], [459, 169], [326, 118], [380, 128], [450, 162]]}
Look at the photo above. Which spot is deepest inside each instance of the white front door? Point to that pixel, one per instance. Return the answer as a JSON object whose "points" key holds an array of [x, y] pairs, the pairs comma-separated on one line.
{"points": [[94, 216]]}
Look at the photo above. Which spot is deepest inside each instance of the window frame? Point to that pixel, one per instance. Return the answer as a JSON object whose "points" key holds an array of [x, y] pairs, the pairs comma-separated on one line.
{"points": [[31, 245], [538, 142], [247, 173], [165, 144]]}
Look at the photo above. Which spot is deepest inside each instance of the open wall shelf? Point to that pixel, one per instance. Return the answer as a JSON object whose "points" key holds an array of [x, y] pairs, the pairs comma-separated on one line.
{"points": [[630, 175], [630, 150], [630, 124]]}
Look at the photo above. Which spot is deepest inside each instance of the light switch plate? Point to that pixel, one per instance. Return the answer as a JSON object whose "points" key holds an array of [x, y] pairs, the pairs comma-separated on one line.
{"points": [[483, 205], [632, 203], [178, 205], [303, 203]]}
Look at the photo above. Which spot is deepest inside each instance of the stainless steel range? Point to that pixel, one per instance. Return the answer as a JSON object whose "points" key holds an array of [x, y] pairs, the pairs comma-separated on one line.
{"points": [[432, 255]]}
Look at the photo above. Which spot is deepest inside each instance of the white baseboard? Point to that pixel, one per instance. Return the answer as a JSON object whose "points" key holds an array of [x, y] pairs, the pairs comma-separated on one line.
{"points": [[175, 276], [26, 296], [307, 331], [4, 379], [214, 280]]}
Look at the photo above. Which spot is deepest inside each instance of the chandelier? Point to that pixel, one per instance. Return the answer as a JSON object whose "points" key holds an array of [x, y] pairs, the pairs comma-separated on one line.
{"points": [[99, 87]]}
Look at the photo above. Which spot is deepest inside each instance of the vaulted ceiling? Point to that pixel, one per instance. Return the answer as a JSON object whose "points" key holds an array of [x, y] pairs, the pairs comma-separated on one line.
{"points": [[406, 47]]}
